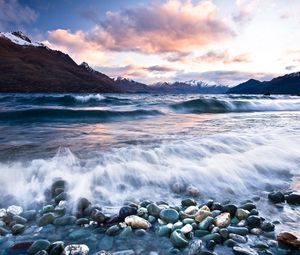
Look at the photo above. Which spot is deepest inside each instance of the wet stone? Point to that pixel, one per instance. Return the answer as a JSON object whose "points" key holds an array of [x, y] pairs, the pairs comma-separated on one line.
{"points": [[238, 238], [206, 223], [153, 209], [254, 221], [188, 202], [39, 245], [248, 206], [222, 220], [126, 211], [64, 220], [178, 239], [14, 210], [238, 230], [230, 208], [137, 222], [79, 234], [243, 251], [18, 229], [56, 248], [82, 221], [267, 226], [195, 247], [293, 198], [215, 237], [76, 249], [46, 219], [169, 215]]}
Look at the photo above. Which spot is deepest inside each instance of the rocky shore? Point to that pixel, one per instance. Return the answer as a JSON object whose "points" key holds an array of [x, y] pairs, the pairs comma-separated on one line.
{"points": [[147, 227]]}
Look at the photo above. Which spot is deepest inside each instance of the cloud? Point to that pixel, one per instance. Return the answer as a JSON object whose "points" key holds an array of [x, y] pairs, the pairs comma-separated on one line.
{"points": [[223, 56], [290, 68], [172, 26], [13, 15], [231, 77], [160, 69], [245, 11]]}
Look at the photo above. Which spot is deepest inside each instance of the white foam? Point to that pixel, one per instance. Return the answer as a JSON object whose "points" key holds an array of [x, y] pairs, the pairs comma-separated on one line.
{"points": [[86, 98]]}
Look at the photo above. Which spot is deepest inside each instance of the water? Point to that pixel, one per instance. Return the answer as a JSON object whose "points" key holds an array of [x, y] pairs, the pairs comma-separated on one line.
{"points": [[117, 147]]}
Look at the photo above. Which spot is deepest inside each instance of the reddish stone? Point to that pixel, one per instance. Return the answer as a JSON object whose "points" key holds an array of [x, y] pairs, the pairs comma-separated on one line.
{"points": [[289, 240], [24, 245]]}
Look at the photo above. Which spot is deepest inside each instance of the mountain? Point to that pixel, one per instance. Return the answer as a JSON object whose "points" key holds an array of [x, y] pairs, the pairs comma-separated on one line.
{"points": [[131, 86], [287, 84], [27, 66], [192, 86]]}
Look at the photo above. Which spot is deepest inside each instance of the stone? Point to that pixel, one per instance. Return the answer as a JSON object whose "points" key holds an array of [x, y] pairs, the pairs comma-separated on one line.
{"points": [[195, 247], [293, 198], [193, 191], [200, 233], [248, 206], [191, 210], [222, 220], [242, 214], [113, 230], [178, 239], [210, 245], [79, 234], [254, 212], [3, 212], [56, 248], [38, 245], [137, 222], [215, 213], [224, 233], [142, 211], [126, 211], [243, 251], [82, 204], [106, 243], [164, 231], [46, 219], [256, 231], [267, 226], [217, 206], [186, 229], [205, 208], [242, 223], [179, 225], [188, 202], [215, 237], [169, 215], [261, 245], [126, 231], [47, 209], [153, 209], [61, 197], [18, 229], [202, 214], [76, 249], [238, 230], [3, 231], [64, 220], [14, 210], [206, 223], [254, 221], [238, 238], [99, 216], [230, 243], [230, 208], [124, 252], [82, 221], [188, 221], [289, 239], [19, 219], [42, 252]]}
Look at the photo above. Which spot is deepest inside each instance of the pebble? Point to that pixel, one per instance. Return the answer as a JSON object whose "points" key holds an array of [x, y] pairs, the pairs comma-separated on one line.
{"points": [[14, 210], [222, 220], [126, 211], [169, 215], [153, 209], [113, 230], [254, 221], [195, 247], [243, 251], [230, 208], [215, 237], [38, 245], [76, 249], [188, 202], [242, 214], [267, 226], [238, 230], [289, 240], [46, 219], [191, 210], [19, 219], [64, 220], [206, 223], [193, 191], [238, 238], [202, 214], [18, 229], [293, 198], [178, 239], [187, 229], [137, 222]]}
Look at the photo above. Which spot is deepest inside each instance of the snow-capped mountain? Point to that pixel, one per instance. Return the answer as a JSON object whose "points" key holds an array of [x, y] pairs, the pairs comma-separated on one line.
{"points": [[86, 66], [131, 86], [192, 86], [20, 38]]}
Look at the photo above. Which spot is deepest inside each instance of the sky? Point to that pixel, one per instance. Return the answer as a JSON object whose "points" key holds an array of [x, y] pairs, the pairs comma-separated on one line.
{"points": [[217, 41]]}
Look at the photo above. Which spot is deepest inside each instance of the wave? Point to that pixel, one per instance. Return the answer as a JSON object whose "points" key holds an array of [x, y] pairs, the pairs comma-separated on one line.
{"points": [[220, 166], [205, 105], [67, 115]]}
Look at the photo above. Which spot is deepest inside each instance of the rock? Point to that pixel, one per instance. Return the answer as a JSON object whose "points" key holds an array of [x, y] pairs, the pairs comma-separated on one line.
{"points": [[267, 226], [153, 209], [82, 204], [195, 247], [289, 239], [125, 252], [222, 220], [19, 219], [186, 221], [230, 243], [254, 212], [215, 213], [224, 233], [254, 221], [261, 245], [248, 206], [186, 229], [47, 209], [142, 211], [169, 215], [56, 248], [76, 249], [99, 216], [206, 223], [276, 197], [18, 229], [164, 231], [103, 253], [106, 243], [201, 233], [238, 238], [242, 223], [46, 219], [140, 232], [137, 222], [113, 230], [42, 252], [256, 231], [230, 208], [242, 214], [14, 210], [191, 210], [293, 198], [210, 245], [64, 220], [3, 212], [126, 231], [243, 251], [126, 211], [188, 202], [192, 191], [61, 197], [58, 184], [178, 239], [238, 230], [38, 245], [20, 247], [217, 206], [82, 221], [215, 237], [202, 214], [3, 231]]}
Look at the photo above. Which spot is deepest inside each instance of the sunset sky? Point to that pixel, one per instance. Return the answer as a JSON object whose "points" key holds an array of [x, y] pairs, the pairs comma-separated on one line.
{"points": [[222, 41]]}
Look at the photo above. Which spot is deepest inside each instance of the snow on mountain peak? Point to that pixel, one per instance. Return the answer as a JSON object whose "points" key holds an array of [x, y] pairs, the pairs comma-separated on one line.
{"points": [[20, 38], [87, 67]]}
